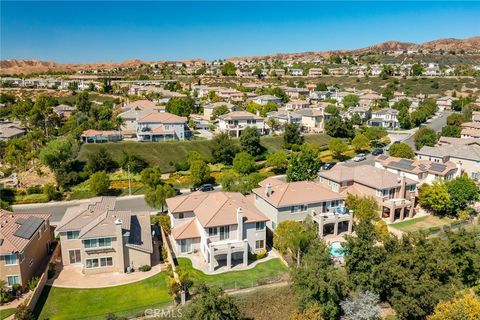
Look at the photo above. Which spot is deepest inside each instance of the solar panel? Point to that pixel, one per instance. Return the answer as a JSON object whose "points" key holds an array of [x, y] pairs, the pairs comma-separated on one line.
{"points": [[20, 221], [383, 157], [403, 164], [29, 227], [438, 167]]}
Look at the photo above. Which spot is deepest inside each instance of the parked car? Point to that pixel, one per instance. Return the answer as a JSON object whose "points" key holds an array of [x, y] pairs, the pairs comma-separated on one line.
{"points": [[328, 165], [206, 187], [377, 151], [360, 157], [177, 192]]}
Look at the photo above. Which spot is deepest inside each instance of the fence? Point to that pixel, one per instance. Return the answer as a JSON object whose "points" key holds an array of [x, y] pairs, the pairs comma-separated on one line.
{"points": [[35, 295], [170, 255], [452, 226]]}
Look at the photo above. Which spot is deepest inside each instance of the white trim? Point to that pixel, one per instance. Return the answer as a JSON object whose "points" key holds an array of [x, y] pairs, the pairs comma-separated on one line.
{"points": [[99, 263]]}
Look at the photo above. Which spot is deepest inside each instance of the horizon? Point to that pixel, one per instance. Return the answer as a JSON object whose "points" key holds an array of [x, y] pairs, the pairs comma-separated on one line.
{"points": [[170, 31]]}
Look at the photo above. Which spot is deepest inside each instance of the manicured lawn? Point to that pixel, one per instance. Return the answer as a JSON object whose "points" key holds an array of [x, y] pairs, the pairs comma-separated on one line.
{"points": [[166, 154], [6, 313], [421, 223], [125, 300], [266, 271]]}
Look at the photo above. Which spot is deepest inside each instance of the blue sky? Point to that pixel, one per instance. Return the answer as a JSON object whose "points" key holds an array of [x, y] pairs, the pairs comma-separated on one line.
{"points": [[115, 31]]}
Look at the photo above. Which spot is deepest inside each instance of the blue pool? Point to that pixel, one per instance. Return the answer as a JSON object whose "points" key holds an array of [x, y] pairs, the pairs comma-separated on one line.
{"points": [[336, 249]]}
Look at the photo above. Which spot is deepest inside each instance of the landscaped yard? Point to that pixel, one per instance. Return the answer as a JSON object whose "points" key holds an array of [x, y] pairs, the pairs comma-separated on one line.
{"points": [[129, 299], [6, 313], [421, 223], [263, 272]]}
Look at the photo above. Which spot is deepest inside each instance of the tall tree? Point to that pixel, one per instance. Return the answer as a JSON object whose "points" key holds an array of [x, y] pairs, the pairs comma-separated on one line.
{"points": [[223, 148], [303, 165], [425, 137], [199, 173], [250, 141], [401, 150], [337, 147], [292, 136]]}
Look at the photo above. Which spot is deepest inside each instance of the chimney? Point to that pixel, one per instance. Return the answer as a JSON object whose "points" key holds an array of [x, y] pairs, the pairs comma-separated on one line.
{"points": [[119, 235], [403, 186], [239, 224], [268, 189], [459, 169], [258, 113]]}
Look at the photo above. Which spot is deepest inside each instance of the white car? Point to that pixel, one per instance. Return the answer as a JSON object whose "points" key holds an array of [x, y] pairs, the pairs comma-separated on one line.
{"points": [[360, 157]]}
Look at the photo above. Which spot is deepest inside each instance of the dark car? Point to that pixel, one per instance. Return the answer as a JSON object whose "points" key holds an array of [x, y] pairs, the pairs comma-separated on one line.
{"points": [[377, 152], [177, 192], [206, 187], [328, 165]]}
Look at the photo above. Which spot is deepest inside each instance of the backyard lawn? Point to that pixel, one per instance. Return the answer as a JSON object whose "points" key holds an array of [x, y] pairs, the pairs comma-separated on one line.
{"points": [[263, 272], [421, 223], [129, 299], [6, 313]]}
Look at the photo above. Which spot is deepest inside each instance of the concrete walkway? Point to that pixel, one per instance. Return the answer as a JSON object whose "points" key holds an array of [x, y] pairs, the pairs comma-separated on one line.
{"points": [[72, 277]]}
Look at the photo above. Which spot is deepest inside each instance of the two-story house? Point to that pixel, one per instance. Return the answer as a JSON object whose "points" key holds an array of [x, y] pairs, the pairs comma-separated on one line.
{"points": [[97, 238], [386, 118], [209, 108], [422, 171], [235, 122], [283, 201], [465, 156], [297, 105], [264, 99], [313, 119], [221, 226], [470, 130], [25, 243], [162, 126], [394, 193]]}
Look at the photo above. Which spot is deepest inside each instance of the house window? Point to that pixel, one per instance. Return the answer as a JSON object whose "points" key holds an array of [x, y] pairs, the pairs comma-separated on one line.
{"points": [[412, 187], [99, 262], [93, 243], [12, 280], [224, 232], [259, 244], [180, 215], [71, 235], [75, 256], [296, 209], [260, 225], [11, 259], [212, 232], [378, 193]]}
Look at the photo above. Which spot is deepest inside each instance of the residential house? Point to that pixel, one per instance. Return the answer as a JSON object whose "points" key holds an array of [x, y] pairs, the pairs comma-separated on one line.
{"points": [[208, 109], [466, 157], [264, 99], [444, 103], [470, 130], [100, 136], [421, 171], [370, 99], [458, 141], [433, 69], [395, 194], [297, 105], [386, 118], [63, 110], [295, 93], [98, 238], [363, 112], [9, 131], [25, 244], [315, 72], [284, 117], [221, 226], [283, 201], [313, 119], [319, 95], [235, 122], [296, 72], [162, 126]]}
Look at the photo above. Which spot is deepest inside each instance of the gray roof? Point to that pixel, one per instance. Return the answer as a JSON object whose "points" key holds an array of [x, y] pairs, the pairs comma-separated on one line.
{"points": [[468, 152]]}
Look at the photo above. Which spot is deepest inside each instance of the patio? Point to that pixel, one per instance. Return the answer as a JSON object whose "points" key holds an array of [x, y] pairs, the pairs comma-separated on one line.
{"points": [[72, 277]]}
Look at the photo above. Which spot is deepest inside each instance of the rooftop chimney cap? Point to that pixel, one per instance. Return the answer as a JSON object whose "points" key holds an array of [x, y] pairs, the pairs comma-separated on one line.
{"points": [[239, 210], [118, 221]]}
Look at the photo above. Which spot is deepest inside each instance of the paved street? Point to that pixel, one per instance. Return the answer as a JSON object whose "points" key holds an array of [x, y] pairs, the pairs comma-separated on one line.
{"points": [[436, 124]]}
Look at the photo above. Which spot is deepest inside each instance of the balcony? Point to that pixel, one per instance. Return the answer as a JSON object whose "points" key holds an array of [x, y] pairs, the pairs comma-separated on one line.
{"points": [[396, 202]]}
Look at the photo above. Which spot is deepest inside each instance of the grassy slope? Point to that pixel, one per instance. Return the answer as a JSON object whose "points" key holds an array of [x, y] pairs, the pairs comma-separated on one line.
{"points": [[166, 154], [280, 302], [420, 223], [264, 271], [64, 303]]}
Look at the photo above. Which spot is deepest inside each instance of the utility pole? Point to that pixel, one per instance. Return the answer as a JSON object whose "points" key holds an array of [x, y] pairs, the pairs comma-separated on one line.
{"points": [[129, 184]]}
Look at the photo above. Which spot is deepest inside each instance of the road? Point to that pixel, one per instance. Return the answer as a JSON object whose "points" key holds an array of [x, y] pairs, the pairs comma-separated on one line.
{"points": [[407, 137]]}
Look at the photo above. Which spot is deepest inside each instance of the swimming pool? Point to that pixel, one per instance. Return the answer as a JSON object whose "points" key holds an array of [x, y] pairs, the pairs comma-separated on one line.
{"points": [[336, 249]]}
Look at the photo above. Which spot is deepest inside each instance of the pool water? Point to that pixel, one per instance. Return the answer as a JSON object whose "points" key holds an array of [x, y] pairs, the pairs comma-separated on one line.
{"points": [[336, 249]]}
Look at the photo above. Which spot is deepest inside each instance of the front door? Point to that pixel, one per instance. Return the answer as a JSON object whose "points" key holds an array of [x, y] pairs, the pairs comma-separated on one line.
{"points": [[75, 256], [224, 232]]}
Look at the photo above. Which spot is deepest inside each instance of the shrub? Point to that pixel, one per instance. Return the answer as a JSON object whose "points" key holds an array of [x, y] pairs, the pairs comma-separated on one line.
{"points": [[23, 312], [164, 254], [34, 190], [182, 166], [32, 283], [145, 268]]}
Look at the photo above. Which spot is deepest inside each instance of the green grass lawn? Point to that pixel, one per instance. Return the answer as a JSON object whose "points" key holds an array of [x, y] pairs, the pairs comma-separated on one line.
{"points": [[266, 271], [6, 313], [421, 223], [166, 154], [124, 300]]}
